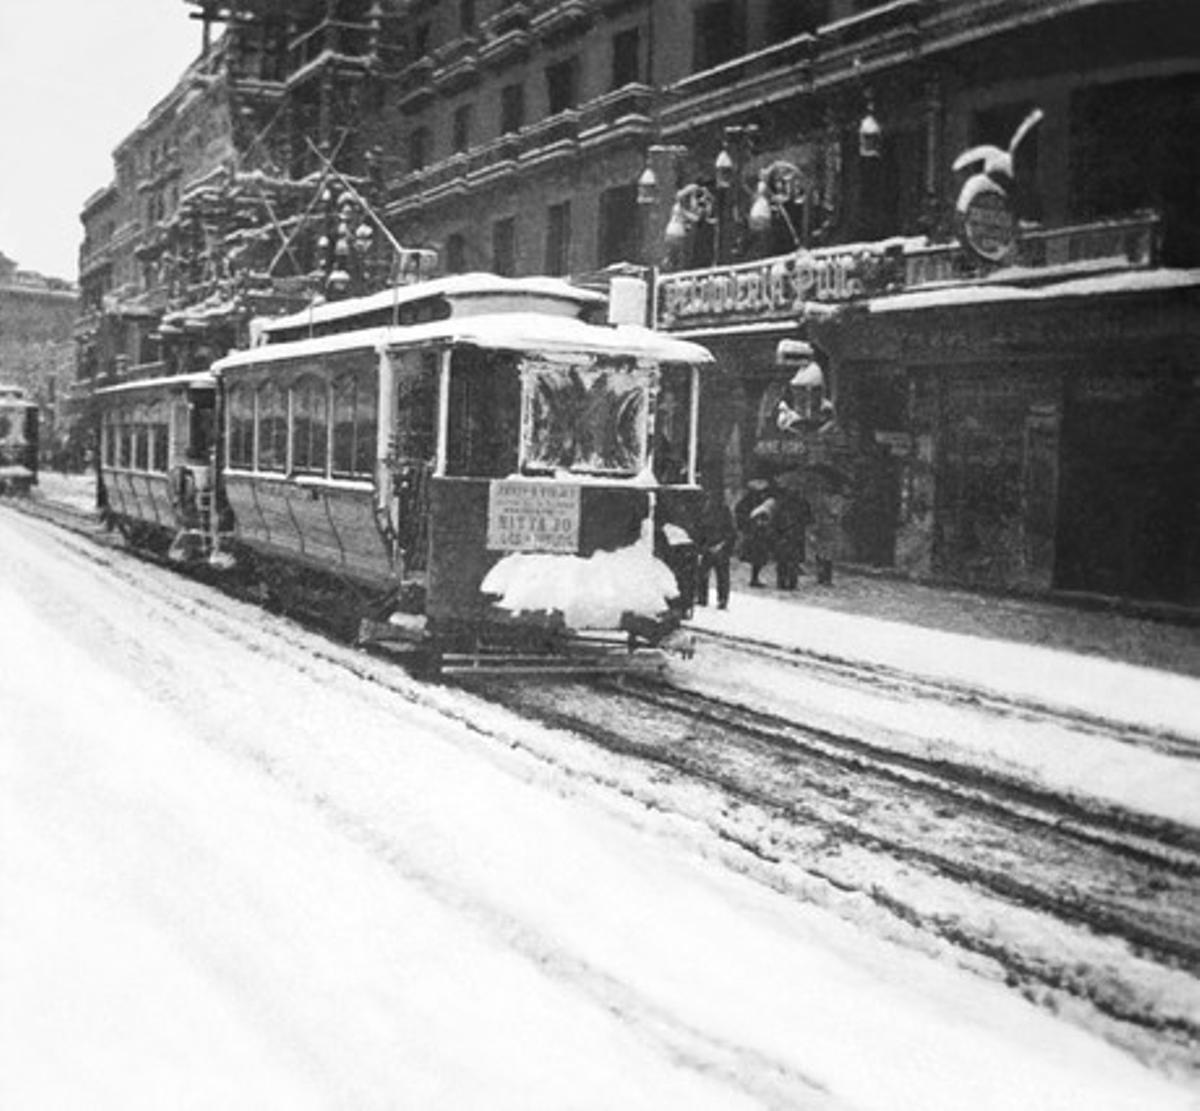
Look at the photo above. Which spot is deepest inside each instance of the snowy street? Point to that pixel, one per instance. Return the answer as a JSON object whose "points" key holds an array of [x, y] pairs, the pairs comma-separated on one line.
{"points": [[242, 867]]}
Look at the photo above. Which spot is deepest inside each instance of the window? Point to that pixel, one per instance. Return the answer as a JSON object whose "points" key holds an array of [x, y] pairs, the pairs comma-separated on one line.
{"points": [[558, 238], [512, 109], [719, 33], [587, 418], [416, 406], [672, 422], [619, 216], [456, 254], [418, 149], [354, 415], [310, 426], [141, 443], [466, 16], [462, 127], [788, 18], [504, 246], [241, 427], [562, 85], [272, 428], [626, 58], [484, 418], [159, 445]]}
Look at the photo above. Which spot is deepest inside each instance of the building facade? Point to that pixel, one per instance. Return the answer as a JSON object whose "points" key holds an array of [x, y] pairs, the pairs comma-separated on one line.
{"points": [[783, 171]]}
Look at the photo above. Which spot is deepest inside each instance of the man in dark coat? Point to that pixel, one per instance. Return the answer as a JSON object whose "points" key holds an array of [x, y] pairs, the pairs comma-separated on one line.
{"points": [[790, 524], [716, 536]]}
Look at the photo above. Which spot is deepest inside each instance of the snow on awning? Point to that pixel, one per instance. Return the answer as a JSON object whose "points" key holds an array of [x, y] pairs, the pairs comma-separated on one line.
{"points": [[1126, 281]]}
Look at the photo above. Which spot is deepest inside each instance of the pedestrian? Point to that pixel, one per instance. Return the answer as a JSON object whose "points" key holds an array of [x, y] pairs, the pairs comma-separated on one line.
{"points": [[717, 535], [826, 525], [753, 516], [790, 524]]}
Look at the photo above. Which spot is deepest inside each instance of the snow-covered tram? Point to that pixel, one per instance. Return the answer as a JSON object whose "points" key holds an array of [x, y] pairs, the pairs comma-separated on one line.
{"points": [[489, 472], [157, 462], [18, 440]]}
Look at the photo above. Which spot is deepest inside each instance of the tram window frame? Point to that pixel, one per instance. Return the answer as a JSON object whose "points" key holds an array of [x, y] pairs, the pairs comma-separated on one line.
{"points": [[416, 406], [159, 445], [141, 442], [125, 442], [310, 425], [672, 423], [484, 421], [271, 428], [354, 411], [240, 426]]}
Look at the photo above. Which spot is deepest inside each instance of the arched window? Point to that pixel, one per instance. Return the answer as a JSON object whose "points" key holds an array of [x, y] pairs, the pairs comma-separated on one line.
{"points": [[241, 427], [272, 428], [310, 425]]}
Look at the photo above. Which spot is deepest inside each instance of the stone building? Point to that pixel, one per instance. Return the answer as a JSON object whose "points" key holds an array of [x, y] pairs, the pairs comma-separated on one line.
{"points": [[37, 314], [784, 171]]}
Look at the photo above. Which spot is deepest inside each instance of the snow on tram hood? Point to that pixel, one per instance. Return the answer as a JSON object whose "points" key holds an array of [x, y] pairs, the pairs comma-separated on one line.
{"points": [[509, 331], [591, 593]]}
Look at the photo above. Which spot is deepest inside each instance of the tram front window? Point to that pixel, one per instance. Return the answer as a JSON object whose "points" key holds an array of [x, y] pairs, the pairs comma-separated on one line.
{"points": [[484, 418]]}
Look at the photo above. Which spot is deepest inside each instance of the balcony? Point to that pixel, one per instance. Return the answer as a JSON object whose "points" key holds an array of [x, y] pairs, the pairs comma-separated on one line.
{"points": [[456, 64], [415, 83], [494, 161], [550, 139], [558, 19], [328, 39], [873, 40], [624, 113]]}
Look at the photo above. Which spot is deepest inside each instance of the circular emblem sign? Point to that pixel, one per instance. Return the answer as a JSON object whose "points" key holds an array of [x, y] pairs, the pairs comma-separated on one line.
{"points": [[988, 226]]}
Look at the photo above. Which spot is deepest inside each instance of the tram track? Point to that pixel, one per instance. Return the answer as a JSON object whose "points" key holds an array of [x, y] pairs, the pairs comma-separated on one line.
{"points": [[798, 801]]}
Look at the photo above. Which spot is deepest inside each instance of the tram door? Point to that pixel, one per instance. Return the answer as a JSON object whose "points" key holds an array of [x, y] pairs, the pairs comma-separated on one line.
{"points": [[413, 449]]}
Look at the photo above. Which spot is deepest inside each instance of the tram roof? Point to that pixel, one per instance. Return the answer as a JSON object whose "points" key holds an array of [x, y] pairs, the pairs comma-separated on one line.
{"points": [[508, 331], [455, 288], [168, 381]]}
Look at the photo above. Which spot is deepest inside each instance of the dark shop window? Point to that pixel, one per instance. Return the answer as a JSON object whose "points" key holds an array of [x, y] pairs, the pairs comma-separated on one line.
{"points": [[562, 85], [558, 238], [719, 34], [462, 126], [618, 225], [504, 246], [512, 109], [626, 58]]}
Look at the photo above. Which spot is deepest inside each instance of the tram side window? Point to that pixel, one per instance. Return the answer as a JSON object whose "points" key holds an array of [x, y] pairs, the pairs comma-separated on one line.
{"points": [[310, 425], [201, 418], [159, 444], [272, 428], [416, 405], [355, 403], [485, 414], [672, 420], [112, 433], [125, 440], [141, 444], [241, 427]]}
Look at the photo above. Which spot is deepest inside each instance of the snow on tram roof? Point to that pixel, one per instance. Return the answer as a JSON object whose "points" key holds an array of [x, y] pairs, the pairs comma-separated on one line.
{"points": [[172, 381], [454, 286], [507, 331]]}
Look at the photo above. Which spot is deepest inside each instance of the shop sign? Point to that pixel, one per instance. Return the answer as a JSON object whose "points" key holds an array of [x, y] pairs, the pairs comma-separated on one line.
{"points": [[989, 227], [776, 287], [533, 517]]}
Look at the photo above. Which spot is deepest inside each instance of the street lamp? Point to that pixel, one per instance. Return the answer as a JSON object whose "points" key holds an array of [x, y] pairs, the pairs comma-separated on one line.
{"points": [[870, 134]]}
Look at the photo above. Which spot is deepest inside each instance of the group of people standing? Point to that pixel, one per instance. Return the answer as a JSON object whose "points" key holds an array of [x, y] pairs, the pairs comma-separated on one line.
{"points": [[770, 523]]}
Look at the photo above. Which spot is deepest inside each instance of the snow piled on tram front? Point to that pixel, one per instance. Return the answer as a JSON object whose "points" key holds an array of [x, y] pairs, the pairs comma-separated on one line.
{"points": [[592, 592]]}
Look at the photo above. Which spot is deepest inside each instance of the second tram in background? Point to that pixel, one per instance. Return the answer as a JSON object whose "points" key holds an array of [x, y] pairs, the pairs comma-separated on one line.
{"points": [[474, 465], [18, 441]]}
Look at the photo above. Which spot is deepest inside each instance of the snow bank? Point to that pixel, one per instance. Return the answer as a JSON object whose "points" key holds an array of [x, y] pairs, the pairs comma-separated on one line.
{"points": [[591, 593]]}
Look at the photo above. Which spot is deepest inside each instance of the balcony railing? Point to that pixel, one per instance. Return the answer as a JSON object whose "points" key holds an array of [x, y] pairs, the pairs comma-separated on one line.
{"points": [[554, 19], [456, 64], [330, 36]]}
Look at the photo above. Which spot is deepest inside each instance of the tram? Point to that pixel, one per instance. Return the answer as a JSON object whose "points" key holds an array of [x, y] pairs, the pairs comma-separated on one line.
{"points": [[477, 466], [18, 440]]}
